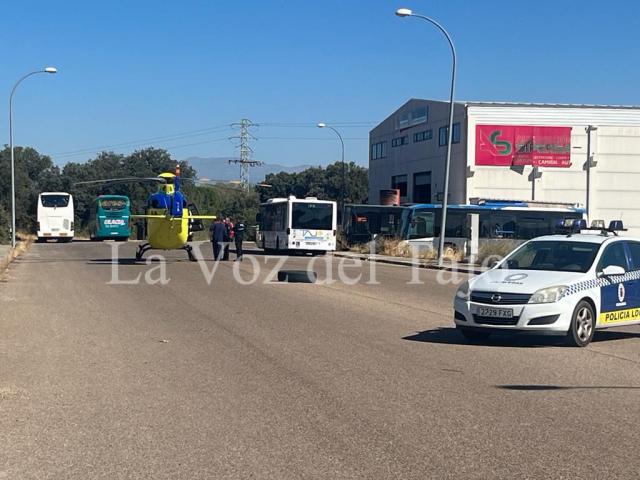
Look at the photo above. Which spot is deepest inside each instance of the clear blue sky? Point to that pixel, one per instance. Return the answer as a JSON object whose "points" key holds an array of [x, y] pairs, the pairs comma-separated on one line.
{"points": [[130, 70]]}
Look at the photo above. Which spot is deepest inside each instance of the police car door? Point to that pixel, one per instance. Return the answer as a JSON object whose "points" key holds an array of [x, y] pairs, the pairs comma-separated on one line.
{"points": [[619, 300], [633, 290]]}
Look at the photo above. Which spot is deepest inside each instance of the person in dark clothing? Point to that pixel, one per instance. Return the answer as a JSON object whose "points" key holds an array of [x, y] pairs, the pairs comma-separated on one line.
{"points": [[229, 234], [218, 237], [238, 230]]}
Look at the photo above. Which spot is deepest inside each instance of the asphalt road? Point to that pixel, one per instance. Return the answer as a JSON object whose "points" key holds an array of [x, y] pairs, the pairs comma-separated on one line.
{"points": [[213, 380]]}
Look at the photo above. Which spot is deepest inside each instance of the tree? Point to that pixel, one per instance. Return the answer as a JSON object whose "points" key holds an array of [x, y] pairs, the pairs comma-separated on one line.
{"points": [[34, 173], [324, 183]]}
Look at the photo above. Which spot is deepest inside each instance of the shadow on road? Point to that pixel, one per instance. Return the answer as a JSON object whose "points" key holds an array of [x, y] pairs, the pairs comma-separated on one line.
{"points": [[115, 261], [609, 335], [452, 336], [133, 261], [534, 388]]}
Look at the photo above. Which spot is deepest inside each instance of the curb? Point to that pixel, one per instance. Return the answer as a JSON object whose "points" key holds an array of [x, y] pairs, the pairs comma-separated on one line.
{"points": [[466, 268]]}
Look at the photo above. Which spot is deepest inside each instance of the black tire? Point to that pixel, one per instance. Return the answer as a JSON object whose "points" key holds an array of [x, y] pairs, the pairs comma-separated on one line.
{"points": [[474, 335], [297, 276], [583, 325]]}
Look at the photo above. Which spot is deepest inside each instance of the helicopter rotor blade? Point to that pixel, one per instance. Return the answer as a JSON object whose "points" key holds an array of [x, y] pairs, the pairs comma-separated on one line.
{"points": [[114, 181]]}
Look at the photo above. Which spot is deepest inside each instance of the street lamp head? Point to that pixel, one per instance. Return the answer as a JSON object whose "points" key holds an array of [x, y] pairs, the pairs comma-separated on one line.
{"points": [[51, 70], [404, 12], [322, 125]]}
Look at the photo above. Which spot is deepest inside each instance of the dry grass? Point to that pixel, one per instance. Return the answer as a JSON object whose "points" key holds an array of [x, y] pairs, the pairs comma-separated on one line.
{"points": [[402, 248], [25, 243]]}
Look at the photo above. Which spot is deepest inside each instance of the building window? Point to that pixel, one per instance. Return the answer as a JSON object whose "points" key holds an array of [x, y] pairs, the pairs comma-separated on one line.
{"points": [[396, 142], [456, 133], [400, 182], [378, 150], [422, 187], [413, 117], [443, 134], [422, 136]]}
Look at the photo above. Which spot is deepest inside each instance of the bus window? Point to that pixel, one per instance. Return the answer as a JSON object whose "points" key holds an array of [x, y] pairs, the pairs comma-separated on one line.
{"points": [[532, 226], [113, 204], [497, 225], [280, 217], [422, 225], [54, 200]]}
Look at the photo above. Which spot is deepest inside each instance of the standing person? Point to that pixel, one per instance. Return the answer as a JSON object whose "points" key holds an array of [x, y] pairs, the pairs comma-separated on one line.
{"points": [[227, 240], [238, 231], [218, 233]]}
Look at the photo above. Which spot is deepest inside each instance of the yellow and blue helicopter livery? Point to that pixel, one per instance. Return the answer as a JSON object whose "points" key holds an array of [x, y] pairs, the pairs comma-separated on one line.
{"points": [[170, 219]]}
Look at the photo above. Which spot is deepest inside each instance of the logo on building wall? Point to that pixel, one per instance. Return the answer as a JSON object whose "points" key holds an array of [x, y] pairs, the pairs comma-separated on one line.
{"points": [[509, 145], [502, 147]]}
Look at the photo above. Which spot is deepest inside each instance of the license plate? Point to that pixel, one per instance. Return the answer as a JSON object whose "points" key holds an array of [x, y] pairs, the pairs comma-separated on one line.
{"points": [[495, 312]]}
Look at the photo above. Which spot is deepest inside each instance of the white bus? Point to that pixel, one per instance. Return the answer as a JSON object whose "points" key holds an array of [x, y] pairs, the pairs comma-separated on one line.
{"points": [[294, 224], [55, 216]]}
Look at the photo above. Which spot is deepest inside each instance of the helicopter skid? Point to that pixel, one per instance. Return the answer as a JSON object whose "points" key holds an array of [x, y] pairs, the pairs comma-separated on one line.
{"points": [[145, 247]]}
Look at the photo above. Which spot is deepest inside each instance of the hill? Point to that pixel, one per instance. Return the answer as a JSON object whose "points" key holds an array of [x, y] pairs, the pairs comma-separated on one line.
{"points": [[219, 168]]}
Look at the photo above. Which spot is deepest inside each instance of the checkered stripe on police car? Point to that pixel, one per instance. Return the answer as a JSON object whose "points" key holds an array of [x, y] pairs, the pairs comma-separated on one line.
{"points": [[600, 282]]}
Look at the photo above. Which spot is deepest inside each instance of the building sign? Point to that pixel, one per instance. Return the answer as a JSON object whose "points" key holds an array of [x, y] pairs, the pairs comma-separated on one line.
{"points": [[509, 145]]}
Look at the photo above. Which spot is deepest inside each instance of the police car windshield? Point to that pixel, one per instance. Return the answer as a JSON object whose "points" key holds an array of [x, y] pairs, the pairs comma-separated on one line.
{"points": [[553, 256]]}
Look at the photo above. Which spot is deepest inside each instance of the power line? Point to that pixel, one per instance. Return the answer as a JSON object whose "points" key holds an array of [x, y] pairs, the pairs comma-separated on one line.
{"points": [[315, 125], [144, 141], [312, 138], [209, 130]]}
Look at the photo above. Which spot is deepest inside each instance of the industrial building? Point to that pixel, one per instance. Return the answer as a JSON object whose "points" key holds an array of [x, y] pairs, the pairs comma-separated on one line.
{"points": [[512, 151]]}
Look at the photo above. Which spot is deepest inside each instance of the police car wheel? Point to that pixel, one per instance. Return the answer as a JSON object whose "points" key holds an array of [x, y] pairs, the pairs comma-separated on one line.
{"points": [[473, 335], [583, 325]]}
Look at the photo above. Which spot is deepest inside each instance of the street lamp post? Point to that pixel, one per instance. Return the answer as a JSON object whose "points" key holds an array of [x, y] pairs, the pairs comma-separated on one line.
{"points": [[405, 12], [13, 177], [342, 193]]}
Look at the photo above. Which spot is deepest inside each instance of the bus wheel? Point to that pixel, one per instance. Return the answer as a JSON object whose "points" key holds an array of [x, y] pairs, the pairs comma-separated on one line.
{"points": [[583, 325]]}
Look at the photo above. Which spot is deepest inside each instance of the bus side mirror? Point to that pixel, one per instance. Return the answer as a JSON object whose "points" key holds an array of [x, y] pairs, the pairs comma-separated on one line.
{"points": [[258, 217]]}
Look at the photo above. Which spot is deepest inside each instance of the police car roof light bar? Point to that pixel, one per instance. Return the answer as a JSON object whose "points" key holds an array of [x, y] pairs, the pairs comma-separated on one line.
{"points": [[616, 226]]}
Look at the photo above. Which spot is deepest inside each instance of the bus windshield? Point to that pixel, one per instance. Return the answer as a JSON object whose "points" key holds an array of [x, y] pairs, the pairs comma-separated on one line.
{"points": [[553, 256], [113, 204], [312, 216], [54, 201]]}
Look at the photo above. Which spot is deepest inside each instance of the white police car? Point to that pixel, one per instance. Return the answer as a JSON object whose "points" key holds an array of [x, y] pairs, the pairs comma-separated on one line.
{"points": [[568, 284]]}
